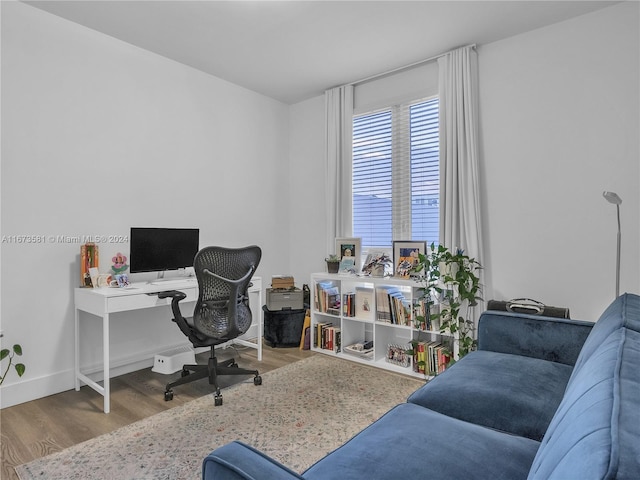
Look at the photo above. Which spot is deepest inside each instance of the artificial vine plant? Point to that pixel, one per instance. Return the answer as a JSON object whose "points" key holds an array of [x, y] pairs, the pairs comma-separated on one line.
{"points": [[19, 367], [451, 279]]}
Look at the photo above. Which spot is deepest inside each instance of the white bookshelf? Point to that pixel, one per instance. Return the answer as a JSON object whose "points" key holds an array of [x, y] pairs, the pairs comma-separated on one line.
{"points": [[359, 325]]}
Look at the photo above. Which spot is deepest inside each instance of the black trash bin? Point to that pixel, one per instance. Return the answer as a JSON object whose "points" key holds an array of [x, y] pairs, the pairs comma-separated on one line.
{"points": [[283, 328]]}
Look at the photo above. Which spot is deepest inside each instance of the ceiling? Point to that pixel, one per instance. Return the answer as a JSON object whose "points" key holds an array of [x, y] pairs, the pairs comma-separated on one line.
{"points": [[294, 50]]}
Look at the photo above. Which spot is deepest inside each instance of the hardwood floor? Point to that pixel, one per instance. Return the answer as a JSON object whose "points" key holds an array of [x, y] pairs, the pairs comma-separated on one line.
{"points": [[34, 429]]}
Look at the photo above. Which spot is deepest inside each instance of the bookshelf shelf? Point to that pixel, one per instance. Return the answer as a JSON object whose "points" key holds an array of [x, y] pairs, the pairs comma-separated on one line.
{"points": [[347, 312]]}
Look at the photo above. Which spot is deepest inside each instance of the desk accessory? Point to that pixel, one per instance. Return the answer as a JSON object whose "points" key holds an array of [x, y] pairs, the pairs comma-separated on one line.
{"points": [[89, 258]]}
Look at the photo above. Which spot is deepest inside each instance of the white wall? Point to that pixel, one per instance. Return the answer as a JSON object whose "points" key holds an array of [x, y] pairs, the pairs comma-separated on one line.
{"points": [[99, 136], [559, 112], [307, 230], [559, 124]]}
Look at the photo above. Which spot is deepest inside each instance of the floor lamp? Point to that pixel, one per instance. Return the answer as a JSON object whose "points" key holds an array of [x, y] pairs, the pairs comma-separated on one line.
{"points": [[613, 197]]}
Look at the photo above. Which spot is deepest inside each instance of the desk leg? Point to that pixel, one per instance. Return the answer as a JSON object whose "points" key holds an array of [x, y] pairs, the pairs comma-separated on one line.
{"points": [[105, 360], [77, 347], [260, 324]]}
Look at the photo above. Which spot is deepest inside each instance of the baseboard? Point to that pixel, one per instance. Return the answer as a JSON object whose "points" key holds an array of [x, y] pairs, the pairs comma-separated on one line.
{"points": [[34, 388]]}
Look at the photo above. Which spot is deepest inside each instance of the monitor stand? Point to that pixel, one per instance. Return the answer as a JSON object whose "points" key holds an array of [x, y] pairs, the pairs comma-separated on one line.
{"points": [[160, 279]]}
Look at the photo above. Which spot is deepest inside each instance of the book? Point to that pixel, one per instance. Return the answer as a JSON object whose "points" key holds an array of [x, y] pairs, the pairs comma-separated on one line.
{"points": [[327, 298], [392, 306], [89, 258], [349, 304], [419, 357], [318, 334], [383, 305]]}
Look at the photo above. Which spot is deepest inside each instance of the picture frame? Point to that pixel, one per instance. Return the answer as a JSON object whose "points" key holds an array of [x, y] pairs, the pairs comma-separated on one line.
{"points": [[350, 247], [365, 304], [123, 280], [405, 256]]}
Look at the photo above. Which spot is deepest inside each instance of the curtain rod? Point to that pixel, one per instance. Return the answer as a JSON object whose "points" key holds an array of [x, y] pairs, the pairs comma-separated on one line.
{"points": [[406, 67]]}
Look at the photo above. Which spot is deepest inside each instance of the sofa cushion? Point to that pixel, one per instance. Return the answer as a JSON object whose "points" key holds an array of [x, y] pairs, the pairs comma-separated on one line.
{"points": [[507, 392], [594, 433], [410, 441], [548, 338], [623, 312]]}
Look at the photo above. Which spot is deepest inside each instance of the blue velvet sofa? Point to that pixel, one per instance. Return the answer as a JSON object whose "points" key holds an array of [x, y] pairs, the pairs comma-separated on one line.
{"points": [[541, 398]]}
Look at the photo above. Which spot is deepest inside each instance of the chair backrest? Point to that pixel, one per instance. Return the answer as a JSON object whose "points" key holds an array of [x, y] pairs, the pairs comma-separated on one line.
{"points": [[224, 274]]}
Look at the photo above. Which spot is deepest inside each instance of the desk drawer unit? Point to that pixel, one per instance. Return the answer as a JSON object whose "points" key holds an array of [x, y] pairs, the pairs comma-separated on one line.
{"points": [[135, 302], [99, 302]]}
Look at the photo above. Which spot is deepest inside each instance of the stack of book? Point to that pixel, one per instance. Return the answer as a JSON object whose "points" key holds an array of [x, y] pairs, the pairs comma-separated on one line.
{"points": [[349, 304], [327, 298], [423, 309], [430, 358], [392, 306], [328, 337]]}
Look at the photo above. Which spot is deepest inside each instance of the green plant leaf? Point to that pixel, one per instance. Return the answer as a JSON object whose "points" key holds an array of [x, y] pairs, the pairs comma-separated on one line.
{"points": [[4, 353], [20, 368], [17, 349]]}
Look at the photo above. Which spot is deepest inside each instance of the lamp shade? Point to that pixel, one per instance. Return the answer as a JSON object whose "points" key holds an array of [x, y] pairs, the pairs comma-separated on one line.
{"points": [[612, 197]]}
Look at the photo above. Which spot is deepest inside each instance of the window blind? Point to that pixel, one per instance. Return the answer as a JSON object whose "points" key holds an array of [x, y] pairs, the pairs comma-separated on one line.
{"points": [[396, 174]]}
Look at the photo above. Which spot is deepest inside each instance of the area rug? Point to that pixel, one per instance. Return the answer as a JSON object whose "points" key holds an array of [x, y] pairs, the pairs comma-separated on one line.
{"points": [[300, 413]]}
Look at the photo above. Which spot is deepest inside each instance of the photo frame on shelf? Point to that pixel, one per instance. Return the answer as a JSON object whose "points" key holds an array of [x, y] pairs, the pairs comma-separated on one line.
{"points": [[377, 260], [405, 256], [350, 247], [364, 300]]}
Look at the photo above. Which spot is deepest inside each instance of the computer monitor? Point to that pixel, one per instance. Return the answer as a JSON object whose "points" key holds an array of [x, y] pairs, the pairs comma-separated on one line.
{"points": [[161, 249]]}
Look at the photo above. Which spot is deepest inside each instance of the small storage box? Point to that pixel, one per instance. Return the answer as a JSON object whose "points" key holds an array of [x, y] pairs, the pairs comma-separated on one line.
{"points": [[283, 328], [284, 299], [173, 360], [282, 281]]}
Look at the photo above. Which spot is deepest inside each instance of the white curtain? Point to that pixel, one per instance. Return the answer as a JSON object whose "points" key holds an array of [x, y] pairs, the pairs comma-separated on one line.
{"points": [[338, 140], [459, 185]]}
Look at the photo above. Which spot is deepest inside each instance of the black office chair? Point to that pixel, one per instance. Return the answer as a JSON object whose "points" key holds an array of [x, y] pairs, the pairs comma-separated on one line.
{"points": [[221, 313]]}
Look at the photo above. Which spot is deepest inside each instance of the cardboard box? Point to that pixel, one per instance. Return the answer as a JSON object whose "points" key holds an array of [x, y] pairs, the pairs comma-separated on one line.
{"points": [[284, 299], [282, 281]]}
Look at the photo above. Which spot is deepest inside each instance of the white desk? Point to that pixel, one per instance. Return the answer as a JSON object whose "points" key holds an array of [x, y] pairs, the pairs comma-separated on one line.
{"points": [[104, 301]]}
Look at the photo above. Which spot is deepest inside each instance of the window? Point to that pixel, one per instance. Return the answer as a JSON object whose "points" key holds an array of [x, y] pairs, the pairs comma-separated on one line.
{"points": [[396, 182]]}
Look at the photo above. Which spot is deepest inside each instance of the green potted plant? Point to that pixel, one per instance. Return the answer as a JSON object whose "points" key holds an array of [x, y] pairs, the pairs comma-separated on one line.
{"points": [[451, 280], [333, 263], [19, 367]]}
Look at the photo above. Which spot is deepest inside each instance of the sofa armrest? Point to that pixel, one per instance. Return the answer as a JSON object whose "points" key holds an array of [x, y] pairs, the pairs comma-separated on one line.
{"points": [[237, 461], [548, 338]]}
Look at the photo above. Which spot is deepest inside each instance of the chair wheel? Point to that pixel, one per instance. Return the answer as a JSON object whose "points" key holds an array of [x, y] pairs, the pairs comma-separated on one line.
{"points": [[184, 372], [217, 400], [257, 380], [168, 395]]}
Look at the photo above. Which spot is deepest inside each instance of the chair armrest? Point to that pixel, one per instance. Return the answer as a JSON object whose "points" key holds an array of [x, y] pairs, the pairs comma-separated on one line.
{"points": [[548, 338], [237, 461], [176, 298]]}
